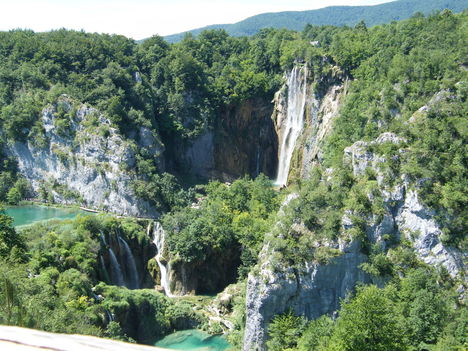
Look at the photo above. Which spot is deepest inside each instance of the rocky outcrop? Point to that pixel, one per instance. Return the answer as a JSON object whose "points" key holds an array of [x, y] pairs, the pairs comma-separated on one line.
{"points": [[311, 291], [88, 162], [207, 277], [405, 215], [242, 141], [245, 140], [322, 104]]}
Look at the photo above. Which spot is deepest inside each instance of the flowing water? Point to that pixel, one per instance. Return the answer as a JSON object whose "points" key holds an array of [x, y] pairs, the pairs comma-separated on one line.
{"points": [[294, 121], [30, 214], [117, 275], [193, 340], [131, 266], [159, 237]]}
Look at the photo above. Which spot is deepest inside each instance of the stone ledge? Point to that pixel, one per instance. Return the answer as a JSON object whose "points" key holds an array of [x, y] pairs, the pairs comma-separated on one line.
{"points": [[23, 339]]}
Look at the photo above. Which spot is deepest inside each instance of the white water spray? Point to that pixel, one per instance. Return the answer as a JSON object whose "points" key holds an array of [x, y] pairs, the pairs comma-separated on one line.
{"points": [[297, 84], [117, 275], [134, 279], [159, 237]]}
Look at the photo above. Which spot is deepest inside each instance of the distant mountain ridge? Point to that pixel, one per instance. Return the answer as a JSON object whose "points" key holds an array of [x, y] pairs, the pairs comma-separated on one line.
{"points": [[334, 15]]}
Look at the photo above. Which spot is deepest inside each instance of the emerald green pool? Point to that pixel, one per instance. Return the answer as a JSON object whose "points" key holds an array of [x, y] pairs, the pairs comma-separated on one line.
{"points": [[29, 214], [193, 340]]}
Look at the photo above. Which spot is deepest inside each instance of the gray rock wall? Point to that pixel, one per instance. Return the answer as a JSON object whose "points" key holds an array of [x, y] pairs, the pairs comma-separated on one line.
{"points": [[92, 161], [315, 289], [311, 291]]}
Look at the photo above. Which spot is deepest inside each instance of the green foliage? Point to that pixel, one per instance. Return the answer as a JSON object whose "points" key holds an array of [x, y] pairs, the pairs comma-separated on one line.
{"points": [[415, 312], [227, 217], [12, 243], [284, 332], [335, 15], [316, 335], [368, 322], [57, 288], [399, 68]]}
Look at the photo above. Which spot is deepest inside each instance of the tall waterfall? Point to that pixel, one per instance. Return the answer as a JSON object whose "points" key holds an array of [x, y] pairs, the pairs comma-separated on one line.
{"points": [[131, 266], [117, 275], [294, 121], [159, 237]]}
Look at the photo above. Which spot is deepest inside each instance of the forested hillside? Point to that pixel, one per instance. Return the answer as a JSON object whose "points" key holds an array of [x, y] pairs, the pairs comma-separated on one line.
{"points": [[333, 16], [365, 246]]}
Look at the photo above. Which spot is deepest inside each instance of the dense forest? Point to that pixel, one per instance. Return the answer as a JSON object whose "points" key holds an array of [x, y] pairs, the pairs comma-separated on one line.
{"points": [[50, 274], [332, 16]]}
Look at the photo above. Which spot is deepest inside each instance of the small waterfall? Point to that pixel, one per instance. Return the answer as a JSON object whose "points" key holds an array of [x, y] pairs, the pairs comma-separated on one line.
{"points": [[294, 121], [104, 269], [159, 237], [134, 279], [103, 238], [109, 316], [117, 275]]}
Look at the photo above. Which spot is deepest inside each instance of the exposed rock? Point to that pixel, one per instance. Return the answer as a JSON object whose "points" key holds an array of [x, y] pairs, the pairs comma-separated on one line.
{"points": [[361, 158], [321, 114], [419, 226], [311, 291], [245, 141], [314, 289], [207, 277], [322, 106], [405, 215], [199, 157], [179, 278], [439, 97], [90, 161], [242, 141]]}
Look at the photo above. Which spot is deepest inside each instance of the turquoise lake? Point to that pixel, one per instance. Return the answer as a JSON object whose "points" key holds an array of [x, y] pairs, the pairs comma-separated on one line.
{"points": [[26, 215], [193, 340]]}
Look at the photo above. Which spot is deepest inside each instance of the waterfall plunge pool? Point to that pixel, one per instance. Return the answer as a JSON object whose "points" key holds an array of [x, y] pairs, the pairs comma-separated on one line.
{"points": [[193, 340], [30, 214]]}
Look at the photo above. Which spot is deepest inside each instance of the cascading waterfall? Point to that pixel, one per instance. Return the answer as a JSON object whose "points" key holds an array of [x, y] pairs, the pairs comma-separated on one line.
{"points": [[134, 279], [117, 275], [294, 121], [159, 237], [104, 269], [110, 318], [103, 238]]}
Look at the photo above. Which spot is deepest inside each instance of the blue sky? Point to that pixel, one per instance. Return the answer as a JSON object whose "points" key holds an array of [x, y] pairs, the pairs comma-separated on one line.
{"points": [[142, 18]]}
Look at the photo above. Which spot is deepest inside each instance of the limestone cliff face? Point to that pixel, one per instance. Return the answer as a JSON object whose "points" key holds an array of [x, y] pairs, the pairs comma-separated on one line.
{"points": [[321, 106], [314, 289], [310, 290], [405, 216], [246, 142], [88, 163], [243, 141], [207, 277]]}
